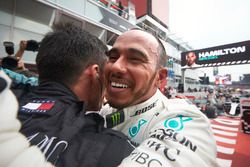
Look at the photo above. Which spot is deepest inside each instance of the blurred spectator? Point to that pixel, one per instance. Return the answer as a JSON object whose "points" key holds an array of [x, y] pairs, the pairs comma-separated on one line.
{"points": [[180, 88], [172, 92], [120, 10], [15, 63]]}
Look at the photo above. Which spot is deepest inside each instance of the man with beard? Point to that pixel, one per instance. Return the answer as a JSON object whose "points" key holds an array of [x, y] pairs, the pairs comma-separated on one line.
{"points": [[191, 58], [169, 132]]}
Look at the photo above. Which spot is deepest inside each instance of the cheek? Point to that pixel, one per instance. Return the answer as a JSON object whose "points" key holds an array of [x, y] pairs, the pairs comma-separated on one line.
{"points": [[143, 77], [107, 69]]}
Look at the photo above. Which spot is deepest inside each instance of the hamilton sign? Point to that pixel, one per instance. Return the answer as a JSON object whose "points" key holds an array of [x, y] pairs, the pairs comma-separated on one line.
{"points": [[230, 54]]}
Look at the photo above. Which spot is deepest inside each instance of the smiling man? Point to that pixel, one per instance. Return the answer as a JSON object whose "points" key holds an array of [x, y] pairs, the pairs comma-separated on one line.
{"points": [[191, 59], [169, 132], [131, 73]]}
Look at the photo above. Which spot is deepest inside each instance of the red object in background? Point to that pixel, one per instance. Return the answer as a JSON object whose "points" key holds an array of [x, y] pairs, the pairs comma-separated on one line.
{"points": [[105, 2], [191, 97], [115, 7], [217, 81], [233, 144], [156, 9]]}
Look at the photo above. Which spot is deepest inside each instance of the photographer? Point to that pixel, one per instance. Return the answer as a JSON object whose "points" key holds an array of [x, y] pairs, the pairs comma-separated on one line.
{"points": [[15, 63]]}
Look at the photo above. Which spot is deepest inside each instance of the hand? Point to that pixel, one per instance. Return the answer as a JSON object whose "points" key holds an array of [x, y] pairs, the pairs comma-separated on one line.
{"points": [[22, 45], [21, 65]]}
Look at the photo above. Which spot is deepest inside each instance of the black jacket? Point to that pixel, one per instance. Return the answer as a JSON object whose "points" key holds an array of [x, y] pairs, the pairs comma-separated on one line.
{"points": [[54, 120]]}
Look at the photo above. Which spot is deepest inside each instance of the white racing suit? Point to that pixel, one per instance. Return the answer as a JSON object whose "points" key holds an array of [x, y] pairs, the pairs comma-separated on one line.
{"points": [[169, 132]]}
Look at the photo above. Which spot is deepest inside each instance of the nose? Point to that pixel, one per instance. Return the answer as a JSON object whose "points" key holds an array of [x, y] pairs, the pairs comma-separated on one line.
{"points": [[120, 65]]}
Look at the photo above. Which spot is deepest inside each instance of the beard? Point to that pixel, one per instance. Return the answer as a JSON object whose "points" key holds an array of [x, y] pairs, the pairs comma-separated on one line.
{"points": [[138, 97], [190, 63]]}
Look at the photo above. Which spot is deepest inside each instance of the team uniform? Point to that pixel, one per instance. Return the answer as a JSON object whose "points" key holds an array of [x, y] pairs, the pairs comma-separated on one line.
{"points": [[169, 132], [54, 120]]}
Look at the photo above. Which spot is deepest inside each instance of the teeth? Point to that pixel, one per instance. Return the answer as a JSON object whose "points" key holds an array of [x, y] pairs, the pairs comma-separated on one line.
{"points": [[118, 85]]}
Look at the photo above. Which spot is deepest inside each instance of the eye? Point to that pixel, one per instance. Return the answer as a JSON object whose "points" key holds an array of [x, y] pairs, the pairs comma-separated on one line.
{"points": [[112, 55], [136, 57]]}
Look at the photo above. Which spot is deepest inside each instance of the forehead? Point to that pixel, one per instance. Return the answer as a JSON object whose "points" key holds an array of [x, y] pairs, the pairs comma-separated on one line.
{"points": [[191, 54], [137, 39]]}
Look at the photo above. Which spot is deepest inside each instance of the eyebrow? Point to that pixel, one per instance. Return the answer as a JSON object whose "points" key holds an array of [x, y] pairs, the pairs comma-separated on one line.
{"points": [[138, 52], [133, 50]]}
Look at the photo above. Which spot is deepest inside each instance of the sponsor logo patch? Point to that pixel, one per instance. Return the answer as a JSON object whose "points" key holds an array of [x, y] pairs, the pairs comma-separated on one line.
{"points": [[115, 119], [133, 131], [144, 159], [170, 134], [38, 106], [145, 109], [176, 123]]}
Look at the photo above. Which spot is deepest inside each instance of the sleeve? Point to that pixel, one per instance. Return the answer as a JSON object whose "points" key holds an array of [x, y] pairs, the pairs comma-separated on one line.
{"points": [[176, 140], [14, 147], [20, 78]]}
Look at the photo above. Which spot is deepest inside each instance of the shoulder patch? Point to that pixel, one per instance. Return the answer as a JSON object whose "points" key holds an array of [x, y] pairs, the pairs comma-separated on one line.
{"points": [[134, 130], [176, 123], [38, 106]]}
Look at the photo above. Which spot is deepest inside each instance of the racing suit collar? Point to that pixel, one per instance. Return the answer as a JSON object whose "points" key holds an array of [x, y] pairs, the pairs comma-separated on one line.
{"points": [[143, 107], [56, 89], [114, 117]]}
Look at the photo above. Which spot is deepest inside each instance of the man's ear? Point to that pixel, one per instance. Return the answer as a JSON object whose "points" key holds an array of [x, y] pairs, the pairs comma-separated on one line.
{"points": [[93, 71], [162, 75]]}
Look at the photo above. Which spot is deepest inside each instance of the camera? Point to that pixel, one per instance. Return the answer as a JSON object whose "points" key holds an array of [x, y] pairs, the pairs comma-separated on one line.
{"points": [[32, 45], [9, 47]]}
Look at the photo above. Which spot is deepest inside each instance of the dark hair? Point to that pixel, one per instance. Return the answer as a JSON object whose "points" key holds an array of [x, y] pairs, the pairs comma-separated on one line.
{"points": [[160, 50], [32, 45], [10, 62], [66, 52]]}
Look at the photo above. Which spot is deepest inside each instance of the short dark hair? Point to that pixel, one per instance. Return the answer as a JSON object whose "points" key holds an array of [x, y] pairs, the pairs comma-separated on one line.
{"points": [[66, 52], [160, 50], [10, 62]]}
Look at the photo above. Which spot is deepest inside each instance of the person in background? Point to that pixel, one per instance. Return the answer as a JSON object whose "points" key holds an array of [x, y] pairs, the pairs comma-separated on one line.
{"points": [[169, 132], [172, 92], [25, 45], [15, 63], [191, 58], [120, 10], [70, 64]]}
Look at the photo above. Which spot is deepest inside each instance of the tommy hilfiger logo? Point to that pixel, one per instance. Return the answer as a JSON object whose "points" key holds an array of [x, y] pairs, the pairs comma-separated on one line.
{"points": [[38, 106]]}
